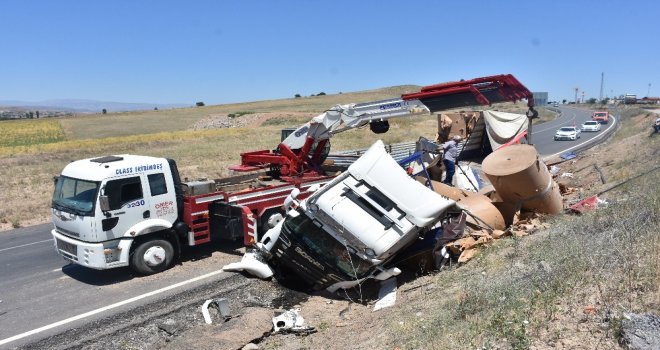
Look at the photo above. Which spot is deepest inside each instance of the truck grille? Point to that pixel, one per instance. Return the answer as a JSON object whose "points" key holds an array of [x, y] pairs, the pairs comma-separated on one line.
{"points": [[70, 250], [67, 232]]}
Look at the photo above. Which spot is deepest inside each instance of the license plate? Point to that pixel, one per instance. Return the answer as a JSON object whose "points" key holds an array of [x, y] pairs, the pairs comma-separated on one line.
{"points": [[67, 247]]}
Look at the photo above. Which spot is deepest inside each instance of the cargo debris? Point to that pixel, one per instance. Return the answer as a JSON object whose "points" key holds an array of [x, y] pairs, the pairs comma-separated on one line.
{"points": [[221, 304], [520, 177], [291, 321], [386, 294]]}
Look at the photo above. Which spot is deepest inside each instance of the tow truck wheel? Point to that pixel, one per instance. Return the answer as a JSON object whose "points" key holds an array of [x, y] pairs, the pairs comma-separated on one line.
{"points": [[152, 256]]}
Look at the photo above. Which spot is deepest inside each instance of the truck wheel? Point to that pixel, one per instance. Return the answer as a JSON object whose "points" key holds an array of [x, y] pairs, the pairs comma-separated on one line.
{"points": [[152, 256]]}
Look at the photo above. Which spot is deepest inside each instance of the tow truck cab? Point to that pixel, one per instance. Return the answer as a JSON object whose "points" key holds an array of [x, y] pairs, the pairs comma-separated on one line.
{"points": [[100, 206]]}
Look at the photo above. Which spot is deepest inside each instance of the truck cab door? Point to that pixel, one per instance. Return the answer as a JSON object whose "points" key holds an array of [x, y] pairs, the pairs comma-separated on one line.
{"points": [[127, 205]]}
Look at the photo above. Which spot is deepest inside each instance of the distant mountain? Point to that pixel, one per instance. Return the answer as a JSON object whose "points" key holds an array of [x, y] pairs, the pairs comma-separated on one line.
{"points": [[87, 106]]}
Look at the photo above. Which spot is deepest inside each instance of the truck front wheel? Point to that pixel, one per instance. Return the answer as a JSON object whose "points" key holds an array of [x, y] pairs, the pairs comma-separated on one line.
{"points": [[152, 256]]}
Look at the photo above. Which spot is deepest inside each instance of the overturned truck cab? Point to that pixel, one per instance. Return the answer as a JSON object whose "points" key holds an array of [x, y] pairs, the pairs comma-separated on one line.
{"points": [[348, 230]]}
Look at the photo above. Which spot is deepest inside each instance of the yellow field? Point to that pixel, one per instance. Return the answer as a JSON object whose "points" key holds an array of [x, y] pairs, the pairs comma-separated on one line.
{"points": [[30, 132]]}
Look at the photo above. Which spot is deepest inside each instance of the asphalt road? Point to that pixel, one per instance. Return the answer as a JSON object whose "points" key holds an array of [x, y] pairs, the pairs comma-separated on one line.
{"points": [[542, 134], [42, 295]]}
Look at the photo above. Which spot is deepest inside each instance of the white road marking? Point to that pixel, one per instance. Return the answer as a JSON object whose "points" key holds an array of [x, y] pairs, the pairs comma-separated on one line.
{"points": [[25, 245], [106, 308], [602, 134]]}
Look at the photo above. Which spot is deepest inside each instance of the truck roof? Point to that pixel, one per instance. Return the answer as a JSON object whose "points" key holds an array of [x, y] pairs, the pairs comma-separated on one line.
{"points": [[100, 168], [422, 205]]}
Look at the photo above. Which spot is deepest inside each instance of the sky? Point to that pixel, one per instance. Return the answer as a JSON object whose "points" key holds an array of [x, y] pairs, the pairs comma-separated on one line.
{"points": [[234, 51]]}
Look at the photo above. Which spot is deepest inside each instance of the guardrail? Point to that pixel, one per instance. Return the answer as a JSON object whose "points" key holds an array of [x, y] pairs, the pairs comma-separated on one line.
{"points": [[398, 151]]}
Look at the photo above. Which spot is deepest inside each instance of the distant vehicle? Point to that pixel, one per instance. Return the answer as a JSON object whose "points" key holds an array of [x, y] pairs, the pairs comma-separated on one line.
{"points": [[630, 99], [556, 104], [602, 117], [590, 125], [568, 133]]}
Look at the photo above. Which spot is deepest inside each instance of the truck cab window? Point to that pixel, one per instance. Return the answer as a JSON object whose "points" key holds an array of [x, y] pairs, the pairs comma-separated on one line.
{"points": [[122, 191], [157, 184]]}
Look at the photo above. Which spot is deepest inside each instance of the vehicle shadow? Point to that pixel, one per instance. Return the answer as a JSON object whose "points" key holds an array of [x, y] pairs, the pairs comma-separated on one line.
{"points": [[123, 274], [98, 277]]}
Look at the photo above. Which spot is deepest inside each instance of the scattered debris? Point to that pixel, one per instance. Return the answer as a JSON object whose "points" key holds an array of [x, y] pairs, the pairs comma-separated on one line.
{"points": [[386, 294], [292, 322], [171, 327], [554, 170], [221, 304], [587, 204], [568, 175], [568, 155]]}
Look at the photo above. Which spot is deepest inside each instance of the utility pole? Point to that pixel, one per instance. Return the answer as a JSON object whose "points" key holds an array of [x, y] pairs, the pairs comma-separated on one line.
{"points": [[582, 97], [576, 91], [602, 79], [648, 92]]}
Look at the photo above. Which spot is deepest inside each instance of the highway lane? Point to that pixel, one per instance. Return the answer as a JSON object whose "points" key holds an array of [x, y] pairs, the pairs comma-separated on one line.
{"points": [[38, 288], [542, 134]]}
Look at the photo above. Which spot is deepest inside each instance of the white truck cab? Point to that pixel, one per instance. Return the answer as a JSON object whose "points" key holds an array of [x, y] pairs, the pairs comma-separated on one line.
{"points": [[346, 231], [102, 206]]}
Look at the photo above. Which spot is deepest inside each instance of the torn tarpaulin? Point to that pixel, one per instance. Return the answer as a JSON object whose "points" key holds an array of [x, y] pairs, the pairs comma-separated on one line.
{"points": [[568, 155], [587, 204]]}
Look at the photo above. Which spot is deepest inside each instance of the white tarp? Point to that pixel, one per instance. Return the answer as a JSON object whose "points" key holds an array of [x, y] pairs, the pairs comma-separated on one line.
{"points": [[502, 127]]}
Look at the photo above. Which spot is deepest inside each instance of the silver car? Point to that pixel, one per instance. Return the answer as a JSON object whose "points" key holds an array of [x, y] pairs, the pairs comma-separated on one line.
{"points": [[568, 133], [590, 125]]}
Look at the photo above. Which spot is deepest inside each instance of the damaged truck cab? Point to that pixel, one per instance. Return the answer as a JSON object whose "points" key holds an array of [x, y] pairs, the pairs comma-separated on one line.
{"points": [[348, 230]]}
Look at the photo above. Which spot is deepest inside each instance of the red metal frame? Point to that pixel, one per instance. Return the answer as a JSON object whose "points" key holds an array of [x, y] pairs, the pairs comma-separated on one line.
{"points": [[508, 87], [298, 163], [253, 202]]}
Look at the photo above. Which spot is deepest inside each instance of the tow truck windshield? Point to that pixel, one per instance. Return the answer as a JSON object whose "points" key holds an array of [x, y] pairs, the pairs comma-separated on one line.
{"points": [[335, 254], [75, 196]]}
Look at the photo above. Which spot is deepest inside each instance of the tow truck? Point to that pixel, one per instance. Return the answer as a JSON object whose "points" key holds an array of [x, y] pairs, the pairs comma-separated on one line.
{"points": [[130, 210]]}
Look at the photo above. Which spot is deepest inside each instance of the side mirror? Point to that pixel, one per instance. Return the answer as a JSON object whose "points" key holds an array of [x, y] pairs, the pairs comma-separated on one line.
{"points": [[104, 202], [55, 179]]}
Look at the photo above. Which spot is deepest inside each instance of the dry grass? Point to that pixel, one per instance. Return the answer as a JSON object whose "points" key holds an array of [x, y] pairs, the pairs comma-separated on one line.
{"points": [[147, 122]]}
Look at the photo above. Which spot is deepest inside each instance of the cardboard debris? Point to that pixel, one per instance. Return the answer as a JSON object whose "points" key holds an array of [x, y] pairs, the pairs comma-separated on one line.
{"points": [[519, 233], [497, 234], [467, 255]]}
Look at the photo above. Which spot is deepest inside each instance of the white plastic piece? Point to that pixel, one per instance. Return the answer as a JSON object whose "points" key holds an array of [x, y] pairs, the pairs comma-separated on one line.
{"points": [[252, 265], [391, 272], [465, 179], [386, 294], [205, 311], [290, 319]]}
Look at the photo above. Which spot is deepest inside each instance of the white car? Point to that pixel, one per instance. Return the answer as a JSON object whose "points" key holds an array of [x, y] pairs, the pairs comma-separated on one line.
{"points": [[590, 125], [568, 133]]}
